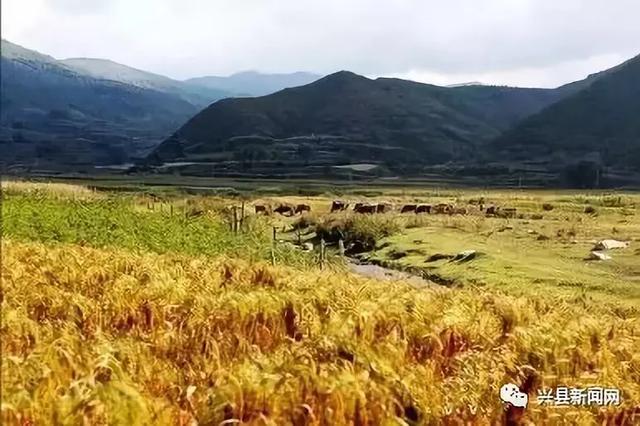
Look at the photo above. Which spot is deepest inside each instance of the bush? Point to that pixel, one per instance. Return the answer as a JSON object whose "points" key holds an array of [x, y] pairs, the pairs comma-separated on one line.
{"points": [[361, 231]]}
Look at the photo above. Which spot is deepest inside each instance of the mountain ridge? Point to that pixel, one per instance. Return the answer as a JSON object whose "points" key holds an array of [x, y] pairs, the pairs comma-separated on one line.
{"points": [[386, 120], [53, 114]]}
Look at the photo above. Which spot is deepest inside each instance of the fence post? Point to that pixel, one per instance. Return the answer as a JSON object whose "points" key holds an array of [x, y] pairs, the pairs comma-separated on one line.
{"points": [[322, 253], [242, 217], [273, 246], [341, 247], [235, 219]]}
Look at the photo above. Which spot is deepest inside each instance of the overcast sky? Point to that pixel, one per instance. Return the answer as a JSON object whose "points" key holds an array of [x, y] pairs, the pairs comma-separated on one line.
{"points": [[541, 43]]}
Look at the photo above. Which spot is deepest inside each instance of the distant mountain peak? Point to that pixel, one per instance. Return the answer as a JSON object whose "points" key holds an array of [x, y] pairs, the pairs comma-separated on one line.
{"points": [[254, 83], [344, 77], [346, 74]]}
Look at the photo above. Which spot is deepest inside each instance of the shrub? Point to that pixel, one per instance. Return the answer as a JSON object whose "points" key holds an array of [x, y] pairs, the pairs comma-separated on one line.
{"points": [[363, 231]]}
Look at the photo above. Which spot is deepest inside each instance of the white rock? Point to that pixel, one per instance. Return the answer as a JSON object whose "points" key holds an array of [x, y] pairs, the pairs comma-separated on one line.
{"points": [[465, 256], [598, 255], [611, 244]]}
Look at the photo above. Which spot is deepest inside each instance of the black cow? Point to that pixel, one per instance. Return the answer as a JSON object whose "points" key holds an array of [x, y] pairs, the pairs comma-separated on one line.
{"points": [[365, 208], [300, 208], [423, 208], [408, 208], [285, 210], [261, 209], [338, 206]]}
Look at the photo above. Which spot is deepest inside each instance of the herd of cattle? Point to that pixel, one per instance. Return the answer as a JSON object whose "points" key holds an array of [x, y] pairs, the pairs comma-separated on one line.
{"points": [[366, 208]]}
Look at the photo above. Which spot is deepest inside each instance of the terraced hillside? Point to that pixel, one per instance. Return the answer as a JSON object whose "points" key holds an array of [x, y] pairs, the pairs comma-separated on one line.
{"points": [[347, 119]]}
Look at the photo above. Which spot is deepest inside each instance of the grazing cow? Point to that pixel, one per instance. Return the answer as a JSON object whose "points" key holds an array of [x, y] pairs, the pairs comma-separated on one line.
{"points": [[338, 206], [300, 208], [442, 208], [423, 208], [459, 210], [285, 210], [262, 209], [365, 208], [408, 208], [384, 208], [507, 212]]}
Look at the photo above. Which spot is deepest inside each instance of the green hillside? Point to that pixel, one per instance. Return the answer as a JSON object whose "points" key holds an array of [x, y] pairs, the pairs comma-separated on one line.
{"points": [[600, 123]]}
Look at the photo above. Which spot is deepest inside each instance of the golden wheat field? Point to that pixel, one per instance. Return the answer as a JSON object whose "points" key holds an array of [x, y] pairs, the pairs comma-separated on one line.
{"points": [[163, 326]]}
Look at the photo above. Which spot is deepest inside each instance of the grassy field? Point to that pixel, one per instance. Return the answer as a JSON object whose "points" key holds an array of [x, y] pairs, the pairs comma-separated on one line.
{"points": [[147, 308]]}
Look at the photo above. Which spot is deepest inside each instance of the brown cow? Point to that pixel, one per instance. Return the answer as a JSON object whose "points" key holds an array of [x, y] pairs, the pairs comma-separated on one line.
{"points": [[262, 209], [507, 212], [384, 208], [408, 208], [365, 208], [285, 210], [338, 206], [300, 208], [423, 208]]}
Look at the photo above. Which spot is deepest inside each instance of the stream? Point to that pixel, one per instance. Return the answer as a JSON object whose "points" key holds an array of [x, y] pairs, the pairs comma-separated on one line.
{"points": [[381, 273]]}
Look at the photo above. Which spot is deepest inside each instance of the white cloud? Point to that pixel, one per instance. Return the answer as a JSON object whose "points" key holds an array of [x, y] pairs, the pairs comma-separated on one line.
{"points": [[516, 42]]}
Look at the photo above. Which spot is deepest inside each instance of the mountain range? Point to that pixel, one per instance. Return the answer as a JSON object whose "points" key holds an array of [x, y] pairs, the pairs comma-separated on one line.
{"points": [[104, 69], [84, 112], [344, 120]]}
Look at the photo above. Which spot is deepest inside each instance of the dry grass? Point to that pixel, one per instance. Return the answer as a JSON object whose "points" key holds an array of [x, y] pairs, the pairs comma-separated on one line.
{"points": [[123, 335], [110, 337], [52, 190]]}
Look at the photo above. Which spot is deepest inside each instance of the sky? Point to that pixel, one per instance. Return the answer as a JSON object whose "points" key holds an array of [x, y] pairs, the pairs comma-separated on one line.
{"points": [[526, 43]]}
